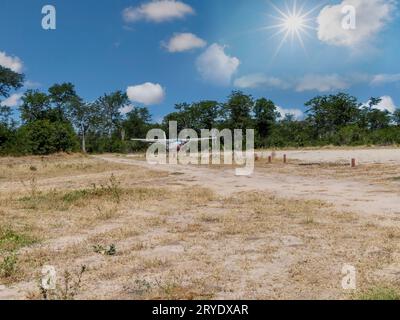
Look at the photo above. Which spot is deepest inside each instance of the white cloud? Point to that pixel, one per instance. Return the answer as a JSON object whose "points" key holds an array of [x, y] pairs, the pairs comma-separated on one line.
{"points": [[13, 63], [386, 103], [216, 66], [322, 83], [126, 109], [371, 18], [260, 80], [297, 113], [183, 42], [12, 101], [147, 93], [157, 11], [32, 84], [380, 79]]}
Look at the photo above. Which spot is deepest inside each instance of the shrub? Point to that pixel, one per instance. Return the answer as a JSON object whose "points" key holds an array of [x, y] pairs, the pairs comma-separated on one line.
{"points": [[43, 137]]}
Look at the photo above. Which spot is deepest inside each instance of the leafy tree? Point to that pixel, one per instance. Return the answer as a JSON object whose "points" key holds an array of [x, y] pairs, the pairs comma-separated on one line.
{"points": [[137, 123], [377, 119], [109, 106], [5, 116], [396, 117], [62, 96], [330, 113], [372, 118], [197, 116], [9, 80], [5, 137], [265, 115], [237, 111], [290, 133], [181, 116], [35, 106], [83, 116], [205, 114]]}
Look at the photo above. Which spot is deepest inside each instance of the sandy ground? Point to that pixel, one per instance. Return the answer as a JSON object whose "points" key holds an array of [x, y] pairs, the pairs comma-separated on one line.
{"points": [[198, 232], [345, 193], [363, 156]]}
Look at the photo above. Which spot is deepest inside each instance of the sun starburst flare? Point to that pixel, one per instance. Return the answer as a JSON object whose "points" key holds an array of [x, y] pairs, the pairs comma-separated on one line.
{"points": [[294, 23]]}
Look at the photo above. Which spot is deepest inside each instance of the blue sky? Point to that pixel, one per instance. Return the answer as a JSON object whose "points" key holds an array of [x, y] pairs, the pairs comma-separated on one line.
{"points": [[164, 52]]}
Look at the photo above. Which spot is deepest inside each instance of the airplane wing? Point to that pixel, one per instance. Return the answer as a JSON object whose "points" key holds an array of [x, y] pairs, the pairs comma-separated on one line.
{"points": [[198, 139], [149, 140], [173, 140]]}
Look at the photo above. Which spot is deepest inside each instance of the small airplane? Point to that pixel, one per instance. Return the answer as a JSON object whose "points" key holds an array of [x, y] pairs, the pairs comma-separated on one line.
{"points": [[174, 144]]}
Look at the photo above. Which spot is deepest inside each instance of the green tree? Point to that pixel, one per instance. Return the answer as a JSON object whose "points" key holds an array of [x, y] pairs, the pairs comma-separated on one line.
{"points": [[137, 123], [62, 96], [9, 80], [35, 106], [330, 113], [396, 117], [5, 116], [265, 116], [372, 118], [109, 106], [237, 111], [200, 115], [83, 116]]}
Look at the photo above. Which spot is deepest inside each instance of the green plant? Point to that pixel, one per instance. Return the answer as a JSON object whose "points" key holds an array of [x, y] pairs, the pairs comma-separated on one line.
{"points": [[114, 187], [141, 287], [11, 241], [8, 266], [105, 251], [380, 293]]}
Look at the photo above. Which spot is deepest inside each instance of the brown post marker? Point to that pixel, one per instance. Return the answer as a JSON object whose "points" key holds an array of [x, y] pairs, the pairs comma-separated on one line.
{"points": [[353, 163], [284, 158], [270, 159]]}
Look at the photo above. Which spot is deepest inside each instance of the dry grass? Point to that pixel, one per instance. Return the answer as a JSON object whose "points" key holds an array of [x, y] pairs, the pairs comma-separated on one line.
{"points": [[145, 235], [379, 174]]}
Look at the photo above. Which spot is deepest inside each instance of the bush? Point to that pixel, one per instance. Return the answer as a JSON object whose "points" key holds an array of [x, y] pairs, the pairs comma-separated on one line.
{"points": [[350, 136], [5, 137], [387, 136], [43, 137]]}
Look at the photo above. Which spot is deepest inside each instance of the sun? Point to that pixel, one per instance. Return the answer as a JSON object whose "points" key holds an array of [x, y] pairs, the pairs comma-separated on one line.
{"points": [[292, 23]]}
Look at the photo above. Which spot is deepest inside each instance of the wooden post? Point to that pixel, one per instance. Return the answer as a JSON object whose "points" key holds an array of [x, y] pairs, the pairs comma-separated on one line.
{"points": [[284, 158], [353, 163], [270, 159]]}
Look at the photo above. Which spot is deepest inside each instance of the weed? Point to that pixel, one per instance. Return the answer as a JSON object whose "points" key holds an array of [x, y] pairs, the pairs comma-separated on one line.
{"points": [[380, 293], [8, 266], [11, 241], [140, 287], [308, 220], [105, 251], [68, 290]]}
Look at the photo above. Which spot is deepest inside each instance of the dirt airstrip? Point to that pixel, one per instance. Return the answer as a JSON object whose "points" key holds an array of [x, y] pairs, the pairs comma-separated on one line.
{"points": [[192, 232]]}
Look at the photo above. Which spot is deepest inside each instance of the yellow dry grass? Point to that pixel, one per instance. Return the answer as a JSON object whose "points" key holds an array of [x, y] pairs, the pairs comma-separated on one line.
{"points": [[174, 241]]}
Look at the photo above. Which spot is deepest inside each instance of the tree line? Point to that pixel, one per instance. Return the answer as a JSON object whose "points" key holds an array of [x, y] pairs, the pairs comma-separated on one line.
{"points": [[59, 120]]}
